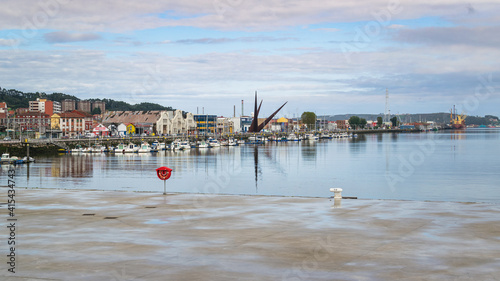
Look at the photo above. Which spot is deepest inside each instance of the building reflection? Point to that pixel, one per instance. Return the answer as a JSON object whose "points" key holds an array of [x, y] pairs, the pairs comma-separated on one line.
{"points": [[309, 150], [458, 135], [72, 166]]}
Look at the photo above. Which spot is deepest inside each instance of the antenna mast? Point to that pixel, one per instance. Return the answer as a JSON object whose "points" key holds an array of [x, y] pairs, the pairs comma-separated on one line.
{"points": [[387, 113]]}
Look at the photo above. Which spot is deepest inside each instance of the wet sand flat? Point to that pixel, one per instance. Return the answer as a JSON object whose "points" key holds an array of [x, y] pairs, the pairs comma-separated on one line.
{"points": [[102, 235]]}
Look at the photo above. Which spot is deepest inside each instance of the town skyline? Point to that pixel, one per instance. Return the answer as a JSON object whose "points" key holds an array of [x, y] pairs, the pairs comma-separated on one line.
{"points": [[327, 57], [238, 112]]}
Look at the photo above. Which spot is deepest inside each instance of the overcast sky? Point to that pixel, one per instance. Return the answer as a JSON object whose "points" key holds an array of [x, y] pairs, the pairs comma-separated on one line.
{"points": [[330, 57]]}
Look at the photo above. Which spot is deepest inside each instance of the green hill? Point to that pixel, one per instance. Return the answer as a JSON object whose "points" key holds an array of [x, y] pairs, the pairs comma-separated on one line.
{"points": [[17, 99]]}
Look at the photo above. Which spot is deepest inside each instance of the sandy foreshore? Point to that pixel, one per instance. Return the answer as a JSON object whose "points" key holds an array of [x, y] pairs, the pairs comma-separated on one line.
{"points": [[101, 235]]}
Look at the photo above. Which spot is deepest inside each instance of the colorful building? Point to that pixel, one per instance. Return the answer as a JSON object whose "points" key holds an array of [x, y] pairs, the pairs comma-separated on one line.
{"points": [[69, 123]]}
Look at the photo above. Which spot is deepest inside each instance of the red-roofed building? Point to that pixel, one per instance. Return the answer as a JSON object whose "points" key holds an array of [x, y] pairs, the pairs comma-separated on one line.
{"points": [[70, 123], [3, 107], [32, 121], [87, 119]]}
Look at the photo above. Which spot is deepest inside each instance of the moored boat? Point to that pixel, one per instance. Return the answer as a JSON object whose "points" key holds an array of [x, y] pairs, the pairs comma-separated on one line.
{"points": [[6, 158]]}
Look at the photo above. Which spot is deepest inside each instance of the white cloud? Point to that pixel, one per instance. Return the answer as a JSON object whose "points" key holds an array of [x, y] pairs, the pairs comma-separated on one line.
{"points": [[326, 29], [64, 37], [119, 15], [397, 26], [8, 42]]}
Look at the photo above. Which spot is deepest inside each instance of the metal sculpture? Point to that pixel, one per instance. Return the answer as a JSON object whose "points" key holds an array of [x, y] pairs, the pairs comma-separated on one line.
{"points": [[255, 127]]}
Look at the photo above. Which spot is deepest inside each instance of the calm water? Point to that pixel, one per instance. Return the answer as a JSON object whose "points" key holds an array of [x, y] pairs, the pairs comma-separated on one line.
{"points": [[444, 166]]}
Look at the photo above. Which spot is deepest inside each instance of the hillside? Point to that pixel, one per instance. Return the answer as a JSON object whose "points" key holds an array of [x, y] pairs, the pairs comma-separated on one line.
{"points": [[17, 99]]}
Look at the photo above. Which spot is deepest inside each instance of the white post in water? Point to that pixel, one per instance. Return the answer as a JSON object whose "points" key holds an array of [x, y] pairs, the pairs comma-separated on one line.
{"points": [[337, 198]]}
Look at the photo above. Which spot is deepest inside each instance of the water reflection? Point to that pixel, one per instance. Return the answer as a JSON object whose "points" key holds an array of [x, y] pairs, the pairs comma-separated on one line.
{"points": [[458, 134], [256, 166], [295, 169], [78, 166], [309, 150]]}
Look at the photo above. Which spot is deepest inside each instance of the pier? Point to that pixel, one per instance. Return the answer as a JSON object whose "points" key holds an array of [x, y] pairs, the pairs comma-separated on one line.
{"points": [[149, 236]]}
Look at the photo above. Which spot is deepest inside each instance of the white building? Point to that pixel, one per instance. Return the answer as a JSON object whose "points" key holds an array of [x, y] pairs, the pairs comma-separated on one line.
{"points": [[174, 122], [122, 130]]}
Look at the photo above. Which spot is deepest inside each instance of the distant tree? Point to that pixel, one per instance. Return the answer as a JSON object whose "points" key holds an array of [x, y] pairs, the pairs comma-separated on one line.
{"points": [[362, 123], [96, 110], [354, 121], [394, 121], [380, 122], [60, 97], [308, 118]]}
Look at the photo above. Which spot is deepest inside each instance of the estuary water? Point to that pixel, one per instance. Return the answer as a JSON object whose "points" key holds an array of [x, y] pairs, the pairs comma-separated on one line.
{"points": [[437, 166]]}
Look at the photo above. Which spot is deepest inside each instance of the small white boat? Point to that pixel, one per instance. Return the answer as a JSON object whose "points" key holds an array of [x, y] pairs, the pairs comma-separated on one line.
{"points": [[77, 149], [241, 142], [175, 144], [6, 158], [203, 144], [120, 148], [27, 159], [213, 143], [131, 148], [144, 148], [99, 149], [292, 137], [325, 136], [182, 145], [232, 142], [311, 137], [158, 145], [87, 149]]}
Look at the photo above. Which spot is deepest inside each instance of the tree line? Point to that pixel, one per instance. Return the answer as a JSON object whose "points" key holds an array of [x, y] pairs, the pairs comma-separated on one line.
{"points": [[17, 99]]}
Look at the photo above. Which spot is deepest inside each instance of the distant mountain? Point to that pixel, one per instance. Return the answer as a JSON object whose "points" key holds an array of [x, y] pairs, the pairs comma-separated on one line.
{"points": [[17, 99]]}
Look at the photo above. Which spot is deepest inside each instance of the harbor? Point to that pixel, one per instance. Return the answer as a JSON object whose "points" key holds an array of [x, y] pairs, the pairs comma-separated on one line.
{"points": [[434, 166], [109, 235]]}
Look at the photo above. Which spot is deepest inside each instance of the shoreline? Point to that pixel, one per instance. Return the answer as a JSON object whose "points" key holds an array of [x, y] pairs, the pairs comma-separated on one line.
{"points": [[252, 195]]}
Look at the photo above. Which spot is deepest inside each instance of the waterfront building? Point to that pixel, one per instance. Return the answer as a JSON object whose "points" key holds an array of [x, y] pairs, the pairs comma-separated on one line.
{"points": [[100, 131], [130, 129], [69, 123], [246, 122], [175, 122], [143, 121], [205, 123], [283, 124], [225, 125], [342, 124], [87, 120], [236, 124], [32, 121], [121, 130], [331, 126]]}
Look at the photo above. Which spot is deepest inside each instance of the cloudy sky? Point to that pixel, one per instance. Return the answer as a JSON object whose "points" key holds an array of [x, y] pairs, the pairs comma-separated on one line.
{"points": [[330, 57]]}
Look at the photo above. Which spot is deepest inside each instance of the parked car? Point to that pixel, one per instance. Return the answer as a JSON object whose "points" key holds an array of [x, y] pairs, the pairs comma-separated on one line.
{"points": [[7, 139]]}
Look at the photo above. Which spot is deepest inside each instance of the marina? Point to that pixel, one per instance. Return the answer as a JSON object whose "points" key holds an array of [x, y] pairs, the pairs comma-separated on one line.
{"points": [[435, 166]]}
